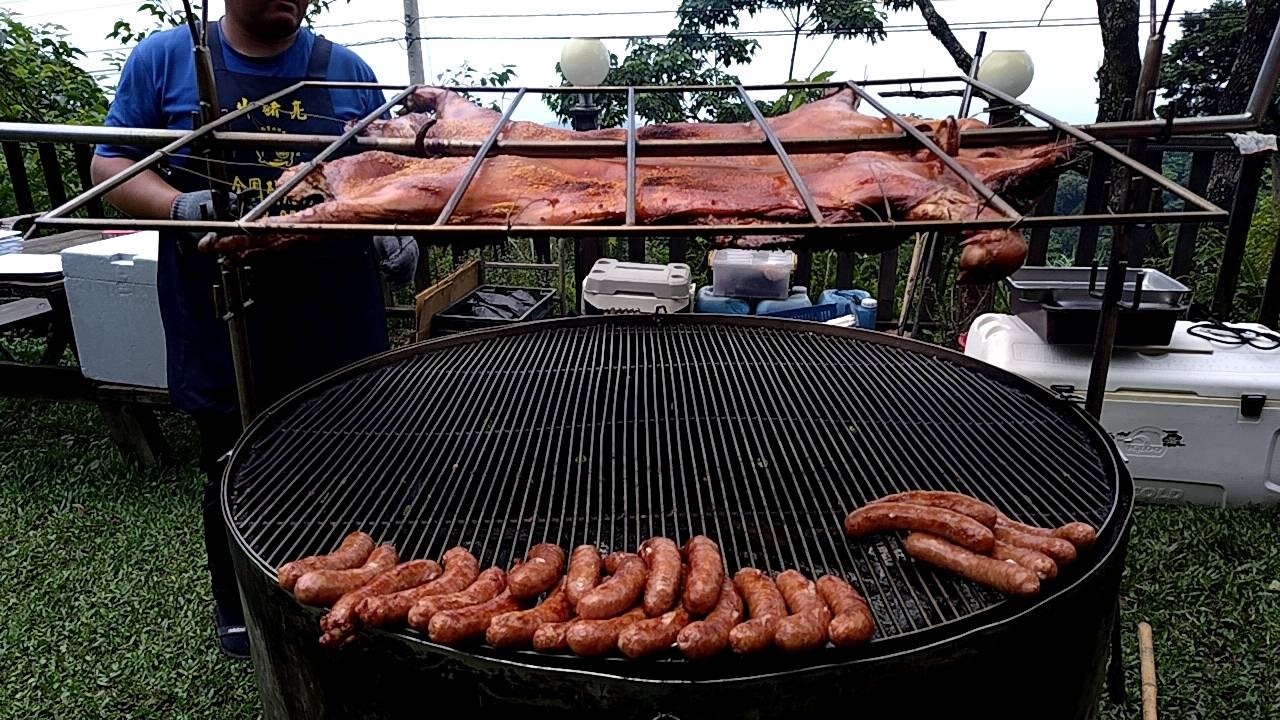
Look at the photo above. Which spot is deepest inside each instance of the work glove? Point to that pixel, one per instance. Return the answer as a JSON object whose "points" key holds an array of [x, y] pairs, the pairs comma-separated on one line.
{"points": [[397, 258], [196, 205]]}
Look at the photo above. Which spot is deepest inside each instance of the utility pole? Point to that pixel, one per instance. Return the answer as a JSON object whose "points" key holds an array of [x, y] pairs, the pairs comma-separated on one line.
{"points": [[413, 36]]}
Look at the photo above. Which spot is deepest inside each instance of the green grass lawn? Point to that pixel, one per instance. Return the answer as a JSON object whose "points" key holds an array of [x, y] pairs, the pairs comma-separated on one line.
{"points": [[105, 608]]}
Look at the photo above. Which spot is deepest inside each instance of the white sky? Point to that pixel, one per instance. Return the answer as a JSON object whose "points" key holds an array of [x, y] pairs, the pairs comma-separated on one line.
{"points": [[1066, 58]]}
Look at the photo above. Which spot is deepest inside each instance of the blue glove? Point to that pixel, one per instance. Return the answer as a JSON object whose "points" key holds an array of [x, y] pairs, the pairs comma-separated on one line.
{"points": [[397, 258], [192, 206]]}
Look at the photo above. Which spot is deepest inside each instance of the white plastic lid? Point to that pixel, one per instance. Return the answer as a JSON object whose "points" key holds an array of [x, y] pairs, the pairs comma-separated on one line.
{"points": [[870, 303], [725, 257]]}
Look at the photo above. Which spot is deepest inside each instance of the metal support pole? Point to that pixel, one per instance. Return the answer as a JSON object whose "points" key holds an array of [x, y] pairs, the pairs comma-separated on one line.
{"points": [[233, 312], [413, 39]]}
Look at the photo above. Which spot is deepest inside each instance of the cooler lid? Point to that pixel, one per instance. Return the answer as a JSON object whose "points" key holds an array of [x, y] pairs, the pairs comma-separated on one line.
{"points": [[127, 258], [30, 267], [1189, 365], [611, 277]]}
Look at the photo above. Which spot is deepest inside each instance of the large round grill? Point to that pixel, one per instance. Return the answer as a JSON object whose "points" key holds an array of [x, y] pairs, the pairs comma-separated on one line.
{"points": [[761, 434]]}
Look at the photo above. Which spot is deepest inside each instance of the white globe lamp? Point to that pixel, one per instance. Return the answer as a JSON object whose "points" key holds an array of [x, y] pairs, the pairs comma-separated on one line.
{"points": [[1009, 71], [585, 63]]}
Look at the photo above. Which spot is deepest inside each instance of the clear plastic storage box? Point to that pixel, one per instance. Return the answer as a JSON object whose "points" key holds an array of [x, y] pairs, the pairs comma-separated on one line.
{"points": [[760, 274]]}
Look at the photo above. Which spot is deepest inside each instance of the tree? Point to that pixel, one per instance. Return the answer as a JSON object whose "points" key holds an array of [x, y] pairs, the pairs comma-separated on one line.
{"points": [[41, 81], [1211, 70], [1118, 75]]}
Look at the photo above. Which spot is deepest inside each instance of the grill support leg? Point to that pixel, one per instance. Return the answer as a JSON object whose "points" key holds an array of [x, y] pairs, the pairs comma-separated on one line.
{"points": [[1115, 668]]}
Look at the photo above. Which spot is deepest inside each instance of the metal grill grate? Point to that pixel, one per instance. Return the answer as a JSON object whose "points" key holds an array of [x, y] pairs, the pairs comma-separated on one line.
{"points": [[761, 434]]}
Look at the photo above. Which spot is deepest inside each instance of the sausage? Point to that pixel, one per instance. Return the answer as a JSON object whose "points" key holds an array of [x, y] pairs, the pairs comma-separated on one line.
{"points": [[1081, 535], [516, 629], [766, 606], [613, 561], [708, 638], [339, 624], [984, 513], [1061, 551], [324, 587], [703, 582], [662, 561], [583, 573], [1037, 562], [552, 637], [1007, 577], [959, 529], [486, 586], [539, 572], [592, 638], [352, 553], [805, 629], [451, 627], [653, 635], [852, 622], [617, 593], [460, 570]]}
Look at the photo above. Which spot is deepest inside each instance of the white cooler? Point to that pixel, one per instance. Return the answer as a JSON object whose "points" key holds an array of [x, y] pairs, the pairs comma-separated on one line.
{"points": [[1198, 422], [115, 313]]}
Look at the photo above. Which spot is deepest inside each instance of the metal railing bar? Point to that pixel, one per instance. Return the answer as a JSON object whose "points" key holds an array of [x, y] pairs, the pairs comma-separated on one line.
{"points": [[474, 166], [287, 187], [631, 156], [783, 157], [952, 164]]}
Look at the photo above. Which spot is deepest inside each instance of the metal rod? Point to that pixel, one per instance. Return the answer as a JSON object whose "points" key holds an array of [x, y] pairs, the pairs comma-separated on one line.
{"points": [[783, 157], [631, 156], [474, 166], [238, 333], [287, 187], [952, 164], [138, 168], [1264, 87], [973, 72], [1092, 142]]}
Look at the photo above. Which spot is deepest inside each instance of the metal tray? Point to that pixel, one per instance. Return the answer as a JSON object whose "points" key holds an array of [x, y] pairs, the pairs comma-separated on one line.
{"points": [[1068, 284]]}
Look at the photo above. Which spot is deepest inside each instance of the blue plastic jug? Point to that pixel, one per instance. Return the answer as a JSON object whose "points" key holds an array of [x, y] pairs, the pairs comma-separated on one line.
{"points": [[850, 303], [799, 298], [707, 302]]}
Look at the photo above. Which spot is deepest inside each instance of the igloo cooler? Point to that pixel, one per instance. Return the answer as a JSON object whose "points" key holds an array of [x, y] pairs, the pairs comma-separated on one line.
{"points": [[115, 313], [1197, 421]]}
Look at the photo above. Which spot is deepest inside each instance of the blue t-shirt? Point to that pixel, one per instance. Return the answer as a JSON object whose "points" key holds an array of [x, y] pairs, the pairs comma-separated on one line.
{"points": [[158, 84]]}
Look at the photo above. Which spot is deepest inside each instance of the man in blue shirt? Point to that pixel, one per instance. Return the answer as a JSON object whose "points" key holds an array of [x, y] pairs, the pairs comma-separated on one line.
{"points": [[316, 307]]}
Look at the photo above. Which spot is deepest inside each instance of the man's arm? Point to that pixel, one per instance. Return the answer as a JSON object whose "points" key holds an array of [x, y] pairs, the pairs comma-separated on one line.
{"points": [[145, 196]]}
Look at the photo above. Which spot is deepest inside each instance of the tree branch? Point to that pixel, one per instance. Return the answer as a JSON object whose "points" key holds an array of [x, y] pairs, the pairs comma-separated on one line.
{"points": [[939, 28]]}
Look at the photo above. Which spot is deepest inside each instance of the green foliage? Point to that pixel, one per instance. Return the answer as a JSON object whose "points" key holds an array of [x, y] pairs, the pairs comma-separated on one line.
{"points": [[467, 76], [1197, 66], [41, 81]]}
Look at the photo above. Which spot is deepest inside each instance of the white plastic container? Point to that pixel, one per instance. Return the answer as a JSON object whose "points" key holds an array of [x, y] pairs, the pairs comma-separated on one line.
{"points": [[115, 313], [613, 286], [1198, 422], [755, 274]]}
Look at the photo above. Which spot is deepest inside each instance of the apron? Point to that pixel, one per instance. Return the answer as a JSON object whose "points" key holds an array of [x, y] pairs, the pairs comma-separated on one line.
{"points": [[316, 306]]}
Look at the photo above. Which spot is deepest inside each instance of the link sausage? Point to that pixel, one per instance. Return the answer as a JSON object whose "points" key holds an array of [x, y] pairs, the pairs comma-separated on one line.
{"points": [[1007, 577], [852, 622], [703, 582], [708, 638], [1037, 562], [766, 607], [805, 629], [487, 585], [324, 587], [593, 638], [653, 635], [460, 570], [516, 629], [662, 561], [352, 553], [882, 517], [617, 593], [1081, 535], [339, 624], [1062, 552], [552, 637], [584, 572], [452, 627], [613, 561], [984, 513], [540, 572]]}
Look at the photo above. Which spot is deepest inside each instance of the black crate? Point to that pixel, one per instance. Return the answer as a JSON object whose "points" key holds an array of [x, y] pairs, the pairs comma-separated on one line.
{"points": [[461, 316]]}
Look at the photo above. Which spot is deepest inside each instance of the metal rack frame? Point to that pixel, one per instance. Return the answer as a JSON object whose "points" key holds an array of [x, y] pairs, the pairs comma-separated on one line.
{"points": [[815, 229]]}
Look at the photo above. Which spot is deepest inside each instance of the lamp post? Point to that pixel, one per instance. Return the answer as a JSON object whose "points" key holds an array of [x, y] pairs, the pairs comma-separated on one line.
{"points": [[584, 62], [1010, 71]]}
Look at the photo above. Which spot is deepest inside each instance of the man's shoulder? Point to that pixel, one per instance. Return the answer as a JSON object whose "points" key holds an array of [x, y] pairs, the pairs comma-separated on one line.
{"points": [[345, 64], [166, 42]]}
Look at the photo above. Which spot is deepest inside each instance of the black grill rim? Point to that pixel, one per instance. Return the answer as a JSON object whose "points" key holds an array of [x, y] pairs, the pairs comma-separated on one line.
{"points": [[1112, 534]]}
